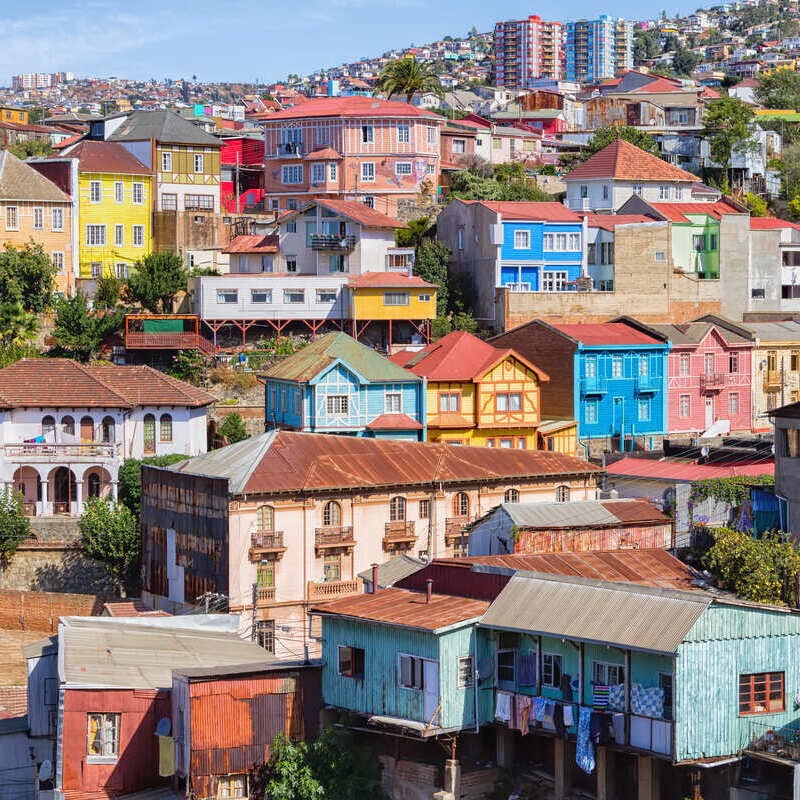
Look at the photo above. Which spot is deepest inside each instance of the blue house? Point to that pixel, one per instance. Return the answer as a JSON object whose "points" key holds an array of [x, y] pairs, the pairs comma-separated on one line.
{"points": [[526, 247], [611, 377], [338, 385]]}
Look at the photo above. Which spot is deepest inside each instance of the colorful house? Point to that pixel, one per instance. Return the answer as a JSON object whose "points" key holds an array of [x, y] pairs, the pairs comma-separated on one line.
{"points": [[338, 385], [477, 394], [611, 377]]}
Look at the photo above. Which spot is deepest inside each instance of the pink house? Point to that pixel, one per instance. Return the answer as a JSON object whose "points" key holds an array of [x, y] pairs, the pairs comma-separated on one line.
{"points": [[708, 377]]}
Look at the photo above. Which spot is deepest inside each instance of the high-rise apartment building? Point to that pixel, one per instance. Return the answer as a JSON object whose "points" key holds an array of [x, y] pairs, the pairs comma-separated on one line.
{"points": [[39, 80], [598, 49], [526, 50]]}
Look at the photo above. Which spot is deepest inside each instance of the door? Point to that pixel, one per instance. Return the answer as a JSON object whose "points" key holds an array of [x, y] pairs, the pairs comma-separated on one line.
{"points": [[149, 433], [709, 412], [430, 698], [87, 429]]}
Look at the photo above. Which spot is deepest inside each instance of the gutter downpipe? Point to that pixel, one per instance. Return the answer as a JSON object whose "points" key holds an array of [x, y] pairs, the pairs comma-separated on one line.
{"points": [[576, 402]]}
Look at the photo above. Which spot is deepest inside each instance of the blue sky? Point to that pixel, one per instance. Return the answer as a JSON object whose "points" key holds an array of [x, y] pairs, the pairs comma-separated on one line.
{"points": [[243, 39]]}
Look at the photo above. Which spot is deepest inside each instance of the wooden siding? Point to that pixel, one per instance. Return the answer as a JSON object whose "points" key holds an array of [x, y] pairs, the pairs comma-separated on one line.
{"points": [[370, 304], [183, 165]]}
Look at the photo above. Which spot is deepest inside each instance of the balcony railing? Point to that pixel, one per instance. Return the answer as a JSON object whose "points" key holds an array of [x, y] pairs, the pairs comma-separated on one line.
{"points": [[328, 590], [340, 536], [342, 244], [265, 594], [772, 378], [398, 533], [711, 381], [266, 543], [592, 384], [518, 287], [647, 384], [47, 451]]}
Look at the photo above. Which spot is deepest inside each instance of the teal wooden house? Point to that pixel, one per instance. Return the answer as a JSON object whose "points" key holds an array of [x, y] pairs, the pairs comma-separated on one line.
{"points": [[338, 385]]}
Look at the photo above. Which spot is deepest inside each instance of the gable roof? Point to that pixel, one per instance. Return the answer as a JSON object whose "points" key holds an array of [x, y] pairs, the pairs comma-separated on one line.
{"points": [[352, 209], [163, 126], [253, 244], [459, 356], [306, 364], [676, 212], [771, 223], [583, 514], [622, 160], [20, 181], [524, 210], [608, 222], [606, 333], [94, 156], [355, 106], [692, 333]]}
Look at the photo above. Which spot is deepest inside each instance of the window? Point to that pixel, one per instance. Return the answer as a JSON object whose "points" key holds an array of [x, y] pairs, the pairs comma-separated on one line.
{"points": [[590, 412], [351, 662], [522, 240], [393, 403], [148, 433], [660, 255], [367, 171], [333, 171], [95, 192], [261, 295], [733, 403], [367, 134], [508, 401], [402, 168], [699, 242], [584, 192], [733, 362], [291, 263], [58, 219], [107, 430], [591, 254], [294, 296], [638, 189], [461, 504], [574, 241], [292, 173], [643, 366], [95, 269], [395, 298], [12, 219], [449, 402], [665, 683], [198, 202], [96, 235], [291, 227], [403, 134], [684, 405], [48, 428], [663, 192], [712, 241], [57, 259], [227, 295], [643, 410], [511, 496], [507, 444], [198, 162], [397, 509], [332, 514], [708, 363], [424, 509], [119, 192], [459, 146], [554, 281], [265, 575], [590, 366], [138, 194], [761, 693], [507, 667], [265, 518], [497, 143], [410, 672], [102, 737], [562, 494], [166, 162], [424, 298], [332, 567], [326, 295], [791, 442], [119, 235], [605, 674], [683, 364], [605, 191], [616, 366], [337, 404], [552, 669], [460, 238], [368, 201], [336, 263], [465, 672], [430, 135], [38, 218], [165, 428], [265, 634], [169, 202], [318, 173]]}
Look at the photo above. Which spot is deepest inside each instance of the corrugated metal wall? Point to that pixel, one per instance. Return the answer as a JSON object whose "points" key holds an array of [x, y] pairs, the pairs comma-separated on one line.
{"points": [[458, 580]]}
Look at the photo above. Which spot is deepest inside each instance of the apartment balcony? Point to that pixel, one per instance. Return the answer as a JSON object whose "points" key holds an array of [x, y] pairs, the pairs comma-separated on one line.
{"points": [[399, 534], [266, 544], [333, 243], [330, 590], [289, 150], [592, 384], [524, 286], [264, 594], [713, 381], [647, 384], [772, 379], [333, 537], [580, 204], [46, 452]]}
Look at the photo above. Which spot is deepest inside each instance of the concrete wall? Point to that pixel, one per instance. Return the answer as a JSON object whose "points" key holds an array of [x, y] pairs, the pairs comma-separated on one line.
{"points": [[787, 472], [737, 262]]}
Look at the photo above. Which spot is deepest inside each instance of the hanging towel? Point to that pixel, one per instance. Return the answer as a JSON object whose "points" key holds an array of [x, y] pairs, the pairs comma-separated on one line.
{"points": [[584, 752], [537, 709], [502, 710], [616, 697], [566, 688], [558, 721], [166, 756], [527, 669], [618, 725], [647, 702], [600, 697], [549, 710], [569, 716], [523, 703]]}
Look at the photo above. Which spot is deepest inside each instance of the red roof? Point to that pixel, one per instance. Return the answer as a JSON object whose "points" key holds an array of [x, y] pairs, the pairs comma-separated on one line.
{"points": [[770, 223], [520, 209], [624, 161], [355, 106], [253, 244], [394, 422], [459, 356], [135, 607], [389, 280], [610, 221], [683, 471], [676, 212], [70, 140], [607, 333], [406, 608], [326, 154], [358, 212], [94, 156], [710, 94]]}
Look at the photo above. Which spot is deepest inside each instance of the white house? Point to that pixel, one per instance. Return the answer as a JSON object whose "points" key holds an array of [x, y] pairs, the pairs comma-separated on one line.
{"points": [[66, 428]]}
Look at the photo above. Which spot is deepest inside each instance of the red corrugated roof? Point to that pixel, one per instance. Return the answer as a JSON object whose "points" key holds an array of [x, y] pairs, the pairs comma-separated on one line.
{"points": [[607, 333], [624, 161], [253, 244], [389, 280], [358, 212], [610, 221], [522, 210], [658, 86], [355, 106], [770, 223], [683, 471], [676, 212], [394, 422], [70, 140]]}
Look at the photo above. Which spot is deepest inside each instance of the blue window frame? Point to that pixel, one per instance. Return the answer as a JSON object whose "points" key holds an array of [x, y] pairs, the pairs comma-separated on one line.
{"points": [[643, 407], [590, 412]]}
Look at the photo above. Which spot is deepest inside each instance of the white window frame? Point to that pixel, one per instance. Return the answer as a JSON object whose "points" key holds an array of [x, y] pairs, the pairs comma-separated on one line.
{"points": [[459, 146], [403, 168], [403, 133], [38, 218], [548, 242], [292, 174], [333, 171], [197, 162], [119, 235], [554, 280], [368, 172], [12, 218], [166, 161], [267, 293], [367, 134], [96, 269], [396, 298], [663, 191], [430, 135], [137, 193], [289, 293], [121, 270], [99, 240], [733, 403], [393, 402], [553, 659], [617, 366], [95, 192], [465, 673], [574, 241], [337, 405], [58, 219], [318, 172], [638, 189], [137, 241], [590, 418], [522, 240], [57, 260], [119, 192], [607, 668], [684, 365], [113, 746], [643, 405], [417, 672], [498, 653], [224, 294], [684, 406], [322, 295]]}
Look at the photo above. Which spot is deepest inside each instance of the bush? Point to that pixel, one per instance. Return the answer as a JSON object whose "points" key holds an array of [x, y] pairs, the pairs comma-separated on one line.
{"points": [[188, 365], [110, 533], [14, 525], [232, 429], [130, 478]]}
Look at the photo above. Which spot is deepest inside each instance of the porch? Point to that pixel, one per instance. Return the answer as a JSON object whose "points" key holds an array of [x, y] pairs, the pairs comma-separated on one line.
{"points": [[62, 490]]}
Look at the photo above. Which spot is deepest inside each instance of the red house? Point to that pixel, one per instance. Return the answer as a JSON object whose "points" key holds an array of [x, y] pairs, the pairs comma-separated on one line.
{"points": [[244, 153]]}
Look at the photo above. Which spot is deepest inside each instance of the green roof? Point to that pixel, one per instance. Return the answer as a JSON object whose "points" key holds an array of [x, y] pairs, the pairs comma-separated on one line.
{"points": [[307, 363]]}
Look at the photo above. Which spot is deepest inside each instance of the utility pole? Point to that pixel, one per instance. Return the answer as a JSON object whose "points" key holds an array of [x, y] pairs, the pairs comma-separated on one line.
{"points": [[237, 184]]}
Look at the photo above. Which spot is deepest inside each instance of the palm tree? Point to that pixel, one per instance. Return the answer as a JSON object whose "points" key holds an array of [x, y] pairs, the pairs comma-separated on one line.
{"points": [[407, 76]]}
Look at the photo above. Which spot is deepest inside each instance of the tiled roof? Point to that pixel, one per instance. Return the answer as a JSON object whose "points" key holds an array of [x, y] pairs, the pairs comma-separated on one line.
{"points": [[25, 127], [676, 212], [61, 382], [394, 422], [358, 212], [356, 106], [658, 86], [20, 181], [606, 333], [68, 142], [522, 210], [771, 223], [459, 356], [406, 608], [622, 160], [610, 221], [253, 244], [94, 156], [687, 472], [389, 280], [326, 154]]}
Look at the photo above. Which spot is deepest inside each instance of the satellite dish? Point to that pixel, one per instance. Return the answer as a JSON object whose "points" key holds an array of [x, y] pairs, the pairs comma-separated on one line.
{"points": [[485, 668], [704, 451], [163, 727], [46, 770]]}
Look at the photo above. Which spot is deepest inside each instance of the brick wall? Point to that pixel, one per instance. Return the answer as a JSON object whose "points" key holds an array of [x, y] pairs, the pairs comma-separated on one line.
{"points": [[39, 611]]}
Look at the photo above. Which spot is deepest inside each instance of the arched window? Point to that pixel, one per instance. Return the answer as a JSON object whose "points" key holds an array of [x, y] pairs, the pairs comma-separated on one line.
{"points": [[461, 504], [68, 425], [48, 428], [107, 429], [562, 494], [93, 485], [332, 513], [149, 432], [87, 429], [165, 428], [511, 496], [266, 518], [397, 509]]}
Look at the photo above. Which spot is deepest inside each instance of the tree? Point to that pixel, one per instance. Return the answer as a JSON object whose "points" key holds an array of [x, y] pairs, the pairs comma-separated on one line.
{"points": [[684, 61], [232, 429], [78, 331], [756, 204], [108, 293], [779, 89], [17, 326], [155, 280], [188, 365], [27, 276], [409, 77], [729, 129], [430, 264], [30, 148], [110, 533], [287, 775], [14, 525], [130, 478], [506, 182], [414, 233]]}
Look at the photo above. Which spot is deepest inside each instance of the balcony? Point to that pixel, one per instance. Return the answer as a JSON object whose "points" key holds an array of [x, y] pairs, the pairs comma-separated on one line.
{"points": [[333, 242], [591, 384], [518, 287], [399, 534], [454, 527], [773, 379], [713, 381], [266, 543], [43, 451], [265, 594], [647, 384], [330, 590], [329, 538]]}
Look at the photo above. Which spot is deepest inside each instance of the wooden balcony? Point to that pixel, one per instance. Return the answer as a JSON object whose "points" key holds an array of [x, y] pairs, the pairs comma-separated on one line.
{"points": [[264, 544], [330, 590], [399, 534], [713, 381], [773, 379], [333, 537]]}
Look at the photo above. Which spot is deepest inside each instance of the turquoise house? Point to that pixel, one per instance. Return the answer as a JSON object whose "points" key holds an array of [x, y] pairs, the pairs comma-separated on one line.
{"points": [[338, 385]]}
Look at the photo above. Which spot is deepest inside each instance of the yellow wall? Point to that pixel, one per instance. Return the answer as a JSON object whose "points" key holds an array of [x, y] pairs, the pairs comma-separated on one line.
{"points": [[110, 213], [510, 375], [369, 304], [11, 114], [183, 165], [563, 441], [785, 388]]}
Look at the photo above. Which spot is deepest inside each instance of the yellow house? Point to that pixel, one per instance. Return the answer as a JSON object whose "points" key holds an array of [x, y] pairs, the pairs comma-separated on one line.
{"points": [[114, 208], [13, 114], [477, 394]]}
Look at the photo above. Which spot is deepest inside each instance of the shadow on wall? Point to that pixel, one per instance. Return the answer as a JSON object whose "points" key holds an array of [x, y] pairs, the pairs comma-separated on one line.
{"points": [[73, 573]]}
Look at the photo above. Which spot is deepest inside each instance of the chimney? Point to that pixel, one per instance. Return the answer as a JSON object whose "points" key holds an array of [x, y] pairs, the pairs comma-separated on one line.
{"points": [[429, 590], [374, 578]]}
